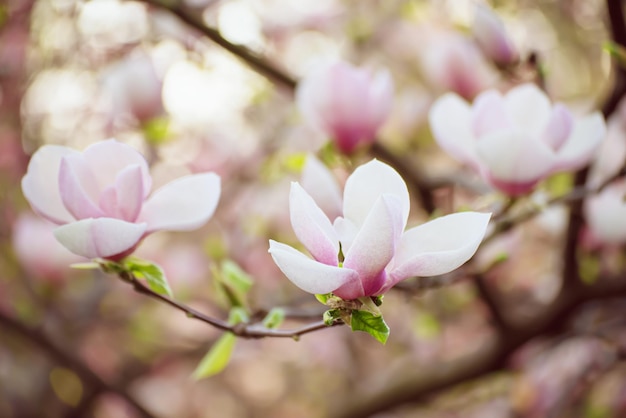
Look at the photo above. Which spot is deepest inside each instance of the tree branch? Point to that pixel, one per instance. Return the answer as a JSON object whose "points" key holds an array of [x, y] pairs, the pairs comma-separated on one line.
{"points": [[71, 361], [242, 330]]}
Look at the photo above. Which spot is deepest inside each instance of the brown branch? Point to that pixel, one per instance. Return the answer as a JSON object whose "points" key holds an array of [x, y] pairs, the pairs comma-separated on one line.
{"points": [[193, 19], [243, 330], [69, 360], [421, 383], [490, 300]]}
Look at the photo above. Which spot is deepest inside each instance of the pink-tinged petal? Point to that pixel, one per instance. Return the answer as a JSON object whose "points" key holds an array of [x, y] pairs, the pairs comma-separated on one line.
{"points": [[529, 108], [346, 231], [40, 185], [354, 289], [322, 186], [309, 275], [365, 186], [559, 127], [438, 246], [108, 158], [491, 36], [583, 142], [184, 204], [77, 185], [514, 157], [380, 97], [313, 95], [611, 154], [312, 227], [129, 189], [606, 214], [450, 123], [375, 244], [102, 237], [489, 114]]}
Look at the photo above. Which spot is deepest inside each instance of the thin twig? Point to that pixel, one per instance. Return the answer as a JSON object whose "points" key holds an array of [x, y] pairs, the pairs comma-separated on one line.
{"points": [[243, 330]]}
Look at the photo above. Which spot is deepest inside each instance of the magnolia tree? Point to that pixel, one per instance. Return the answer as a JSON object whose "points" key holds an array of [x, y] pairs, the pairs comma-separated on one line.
{"points": [[215, 196]]}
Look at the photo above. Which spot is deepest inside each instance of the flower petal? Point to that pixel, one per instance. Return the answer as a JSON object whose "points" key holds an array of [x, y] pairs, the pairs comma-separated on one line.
{"points": [[529, 108], [365, 186], [489, 114], [312, 227], [107, 158], [102, 237], [514, 157], [606, 213], [322, 186], [450, 123], [375, 244], [78, 188], [581, 145], [559, 126], [183, 204], [130, 193], [40, 185], [438, 246], [309, 275]]}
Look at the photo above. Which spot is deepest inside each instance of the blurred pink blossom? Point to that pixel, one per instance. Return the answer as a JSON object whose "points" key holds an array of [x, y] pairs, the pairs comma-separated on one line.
{"points": [[515, 140], [348, 104], [39, 253], [606, 214], [101, 198], [491, 36], [366, 252]]}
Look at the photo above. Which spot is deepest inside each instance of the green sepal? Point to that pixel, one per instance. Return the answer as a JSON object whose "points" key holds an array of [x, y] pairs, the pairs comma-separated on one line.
{"points": [[274, 318], [152, 273], [372, 324], [217, 358], [323, 298], [331, 315]]}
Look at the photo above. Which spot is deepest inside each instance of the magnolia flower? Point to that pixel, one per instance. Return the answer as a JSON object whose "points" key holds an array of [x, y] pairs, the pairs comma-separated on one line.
{"points": [[515, 140], [101, 198], [606, 214], [491, 36], [349, 104], [366, 251]]}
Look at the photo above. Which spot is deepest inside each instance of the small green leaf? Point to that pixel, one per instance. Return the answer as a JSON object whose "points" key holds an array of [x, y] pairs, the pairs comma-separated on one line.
{"points": [[238, 315], [157, 130], [331, 315], [274, 318], [235, 282], [85, 266], [152, 273], [323, 298], [374, 325], [217, 358]]}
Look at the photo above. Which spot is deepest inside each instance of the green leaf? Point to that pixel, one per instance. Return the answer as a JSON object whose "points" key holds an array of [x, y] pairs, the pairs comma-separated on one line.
{"points": [[274, 318], [330, 316], [152, 273], [217, 358], [323, 298], [238, 315], [235, 282], [372, 324]]}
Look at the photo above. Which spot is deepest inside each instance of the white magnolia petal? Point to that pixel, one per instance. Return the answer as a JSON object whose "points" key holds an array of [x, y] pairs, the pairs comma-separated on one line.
{"points": [[438, 246], [579, 148], [450, 123], [489, 114], [108, 158], [375, 244], [514, 157], [606, 214], [40, 185], [322, 186], [309, 275], [529, 108], [365, 186], [380, 97], [76, 185], [184, 204], [312, 227], [102, 237], [129, 193], [611, 154]]}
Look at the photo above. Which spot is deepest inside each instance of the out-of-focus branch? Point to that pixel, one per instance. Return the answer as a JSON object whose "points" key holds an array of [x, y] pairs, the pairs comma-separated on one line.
{"points": [[491, 301], [69, 360], [243, 330], [421, 383], [193, 19]]}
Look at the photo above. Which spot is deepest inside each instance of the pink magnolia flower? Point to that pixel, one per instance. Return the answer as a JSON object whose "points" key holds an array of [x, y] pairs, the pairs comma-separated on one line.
{"points": [[605, 213], [366, 251], [101, 198], [347, 103], [515, 140], [491, 36]]}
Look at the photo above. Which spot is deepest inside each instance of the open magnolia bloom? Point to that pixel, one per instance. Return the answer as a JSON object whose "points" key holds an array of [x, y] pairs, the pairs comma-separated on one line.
{"points": [[366, 251], [101, 198], [515, 140]]}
